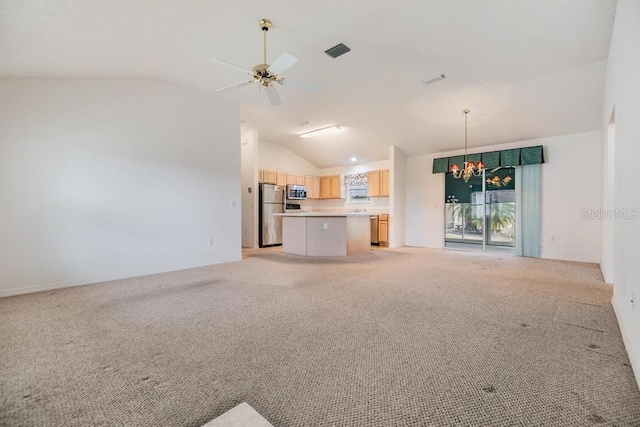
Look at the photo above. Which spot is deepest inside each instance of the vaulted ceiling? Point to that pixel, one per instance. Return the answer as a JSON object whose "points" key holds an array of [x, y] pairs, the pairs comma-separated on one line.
{"points": [[525, 69]]}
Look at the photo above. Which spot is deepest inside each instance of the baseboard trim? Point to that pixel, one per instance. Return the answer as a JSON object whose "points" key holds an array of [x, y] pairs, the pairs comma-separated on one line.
{"points": [[92, 281], [635, 364]]}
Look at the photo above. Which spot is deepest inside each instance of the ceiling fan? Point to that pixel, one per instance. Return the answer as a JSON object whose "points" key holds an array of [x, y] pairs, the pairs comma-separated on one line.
{"points": [[267, 75]]}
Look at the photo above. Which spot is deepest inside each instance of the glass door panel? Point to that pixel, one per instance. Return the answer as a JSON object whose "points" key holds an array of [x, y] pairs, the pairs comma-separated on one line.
{"points": [[500, 199]]}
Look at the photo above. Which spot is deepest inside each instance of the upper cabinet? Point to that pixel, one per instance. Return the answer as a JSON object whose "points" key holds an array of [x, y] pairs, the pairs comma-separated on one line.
{"points": [[313, 186], [378, 183], [318, 187], [373, 183], [269, 177], [332, 187], [325, 187], [337, 186], [384, 183]]}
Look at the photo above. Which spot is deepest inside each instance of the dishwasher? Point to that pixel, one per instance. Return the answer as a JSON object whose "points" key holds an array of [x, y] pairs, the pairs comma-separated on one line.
{"points": [[375, 236]]}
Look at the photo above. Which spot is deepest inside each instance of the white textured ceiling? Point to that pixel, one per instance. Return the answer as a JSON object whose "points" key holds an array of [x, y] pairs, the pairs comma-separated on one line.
{"points": [[525, 69]]}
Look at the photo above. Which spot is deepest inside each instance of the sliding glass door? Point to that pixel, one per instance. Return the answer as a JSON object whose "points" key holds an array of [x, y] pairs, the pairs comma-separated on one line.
{"points": [[481, 211]]}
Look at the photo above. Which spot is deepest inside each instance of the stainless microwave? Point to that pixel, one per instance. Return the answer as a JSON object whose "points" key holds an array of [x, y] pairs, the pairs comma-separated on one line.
{"points": [[296, 192]]}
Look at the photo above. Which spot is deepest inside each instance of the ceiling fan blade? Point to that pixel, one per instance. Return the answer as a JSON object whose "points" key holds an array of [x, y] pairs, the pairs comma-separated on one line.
{"points": [[274, 98], [229, 64], [316, 87], [285, 61], [235, 86]]}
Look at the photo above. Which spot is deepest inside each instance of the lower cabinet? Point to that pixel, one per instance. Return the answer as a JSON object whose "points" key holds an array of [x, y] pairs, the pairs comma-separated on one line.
{"points": [[383, 230]]}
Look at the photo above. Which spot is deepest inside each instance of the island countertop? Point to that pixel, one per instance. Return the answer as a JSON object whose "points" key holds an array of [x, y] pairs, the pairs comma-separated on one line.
{"points": [[327, 214]]}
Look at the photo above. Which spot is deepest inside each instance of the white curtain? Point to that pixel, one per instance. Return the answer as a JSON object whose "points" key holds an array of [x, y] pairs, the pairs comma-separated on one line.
{"points": [[528, 211]]}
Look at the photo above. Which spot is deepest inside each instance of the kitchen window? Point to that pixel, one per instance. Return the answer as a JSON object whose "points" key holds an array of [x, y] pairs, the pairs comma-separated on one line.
{"points": [[357, 193], [356, 185]]}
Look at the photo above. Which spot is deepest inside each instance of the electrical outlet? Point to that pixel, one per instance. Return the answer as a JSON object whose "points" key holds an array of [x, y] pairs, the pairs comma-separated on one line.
{"points": [[233, 203], [553, 238], [326, 225], [211, 241]]}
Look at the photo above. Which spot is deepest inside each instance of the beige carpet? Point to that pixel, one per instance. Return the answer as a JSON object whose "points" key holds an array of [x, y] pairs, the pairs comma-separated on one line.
{"points": [[408, 337]]}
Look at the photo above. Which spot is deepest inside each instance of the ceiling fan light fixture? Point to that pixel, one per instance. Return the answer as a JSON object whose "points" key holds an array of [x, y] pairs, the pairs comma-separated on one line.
{"points": [[320, 131], [432, 79]]}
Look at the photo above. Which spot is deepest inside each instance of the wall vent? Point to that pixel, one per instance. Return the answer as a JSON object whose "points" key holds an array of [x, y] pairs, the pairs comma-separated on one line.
{"points": [[337, 50]]}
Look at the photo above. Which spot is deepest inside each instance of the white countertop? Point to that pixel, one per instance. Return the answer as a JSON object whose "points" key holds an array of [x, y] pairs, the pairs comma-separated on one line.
{"points": [[305, 214]]}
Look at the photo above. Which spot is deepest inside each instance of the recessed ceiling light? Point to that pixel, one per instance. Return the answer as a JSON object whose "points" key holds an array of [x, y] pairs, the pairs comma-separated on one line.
{"points": [[320, 131], [353, 159], [432, 79]]}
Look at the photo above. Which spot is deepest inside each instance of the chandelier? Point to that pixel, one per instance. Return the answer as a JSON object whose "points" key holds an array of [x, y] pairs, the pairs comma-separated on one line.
{"points": [[470, 168]]}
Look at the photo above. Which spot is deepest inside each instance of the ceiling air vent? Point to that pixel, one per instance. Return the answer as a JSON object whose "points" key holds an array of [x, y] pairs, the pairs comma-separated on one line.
{"points": [[337, 50]]}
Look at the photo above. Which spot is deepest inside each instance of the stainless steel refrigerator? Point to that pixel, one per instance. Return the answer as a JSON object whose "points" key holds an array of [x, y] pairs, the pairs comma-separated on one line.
{"points": [[271, 200]]}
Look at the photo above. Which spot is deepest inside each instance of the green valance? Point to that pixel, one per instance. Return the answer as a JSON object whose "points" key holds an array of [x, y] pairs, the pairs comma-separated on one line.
{"points": [[510, 157], [441, 165], [493, 159], [531, 155]]}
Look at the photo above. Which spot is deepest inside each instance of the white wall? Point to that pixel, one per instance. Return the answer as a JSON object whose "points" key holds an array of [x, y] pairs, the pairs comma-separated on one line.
{"points": [[608, 189], [397, 199], [621, 94], [566, 191], [276, 157], [249, 160], [103, 179]]}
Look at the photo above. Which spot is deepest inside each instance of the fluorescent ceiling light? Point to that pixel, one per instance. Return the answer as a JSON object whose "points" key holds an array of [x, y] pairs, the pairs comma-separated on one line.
{"points": [[432, 79], [320, 131], [353, 159]]}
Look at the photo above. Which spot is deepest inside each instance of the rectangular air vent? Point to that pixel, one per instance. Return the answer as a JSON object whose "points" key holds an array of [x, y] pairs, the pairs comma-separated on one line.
{"points": [[337, 50]]}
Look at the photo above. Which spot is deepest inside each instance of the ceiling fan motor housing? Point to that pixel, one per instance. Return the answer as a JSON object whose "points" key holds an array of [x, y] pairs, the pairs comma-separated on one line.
{"points": [[265, 24]]}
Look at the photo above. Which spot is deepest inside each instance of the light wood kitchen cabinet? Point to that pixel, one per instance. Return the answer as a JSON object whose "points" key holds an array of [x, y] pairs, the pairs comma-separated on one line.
{"points": [[308, 182], [260, 175], [383, 229], [269, 177], [316, 187], [373, 183], [378, 183], [336, 190], [325, 187], [331, 187], [291, 179], [313, 186], [384, 183], [300, 180], [281, 178]]}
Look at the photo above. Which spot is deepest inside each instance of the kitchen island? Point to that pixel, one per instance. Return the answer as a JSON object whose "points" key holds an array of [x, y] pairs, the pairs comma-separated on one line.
{"points": [[325, 233]]}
